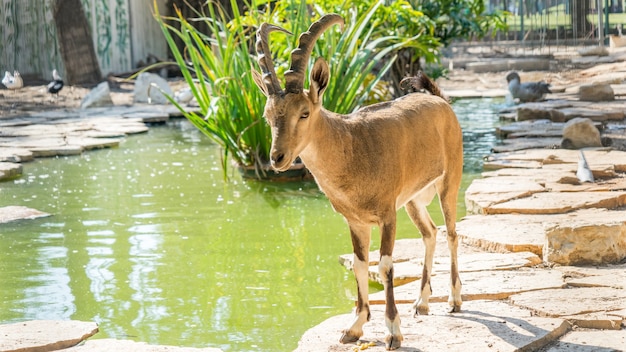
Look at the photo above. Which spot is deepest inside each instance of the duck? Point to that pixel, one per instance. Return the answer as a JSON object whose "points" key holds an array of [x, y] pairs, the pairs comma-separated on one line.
{"points": [[12, 81], [527, 92], [56, 85]]}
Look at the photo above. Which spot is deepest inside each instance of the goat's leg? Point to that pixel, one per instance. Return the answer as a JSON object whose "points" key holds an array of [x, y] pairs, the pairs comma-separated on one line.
{"points": [[448, 197], [361, 243], [420, 217], [385, 268]]}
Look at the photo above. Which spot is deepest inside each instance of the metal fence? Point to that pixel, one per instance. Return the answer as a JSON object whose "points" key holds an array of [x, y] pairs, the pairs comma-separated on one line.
{"points": [[549, 26]]}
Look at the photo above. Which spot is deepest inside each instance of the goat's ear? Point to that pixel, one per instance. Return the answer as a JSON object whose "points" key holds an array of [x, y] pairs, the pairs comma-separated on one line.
{"points": [[320, 75], [258, 79]]}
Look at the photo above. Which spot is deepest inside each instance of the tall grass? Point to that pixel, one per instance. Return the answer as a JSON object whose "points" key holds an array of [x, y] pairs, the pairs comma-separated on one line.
{"points": [[217, 66]]}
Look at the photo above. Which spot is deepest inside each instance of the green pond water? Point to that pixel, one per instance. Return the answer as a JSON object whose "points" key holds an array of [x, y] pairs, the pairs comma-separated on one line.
{"points": [[151, 243]]}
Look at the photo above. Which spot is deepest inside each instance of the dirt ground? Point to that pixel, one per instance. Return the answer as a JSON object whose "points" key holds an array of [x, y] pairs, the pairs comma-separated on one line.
{"points": [[33, 97]]}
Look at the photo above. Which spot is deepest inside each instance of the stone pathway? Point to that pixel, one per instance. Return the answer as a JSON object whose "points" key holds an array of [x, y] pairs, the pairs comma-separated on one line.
{"points": [[71, 132], [526, 246]]}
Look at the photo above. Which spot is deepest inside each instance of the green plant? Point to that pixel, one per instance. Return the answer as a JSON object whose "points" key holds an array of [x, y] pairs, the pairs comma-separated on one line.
{"points": [[217, 66]]}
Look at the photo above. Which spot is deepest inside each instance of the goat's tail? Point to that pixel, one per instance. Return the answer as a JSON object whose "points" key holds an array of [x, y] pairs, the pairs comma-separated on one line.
{"points": [[422, 82]]}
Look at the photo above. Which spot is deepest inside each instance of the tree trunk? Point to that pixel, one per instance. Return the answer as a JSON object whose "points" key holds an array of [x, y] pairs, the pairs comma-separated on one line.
{"points": [[75, 43]]}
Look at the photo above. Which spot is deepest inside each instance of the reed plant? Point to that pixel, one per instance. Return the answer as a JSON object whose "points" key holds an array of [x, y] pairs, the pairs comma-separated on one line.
{"points": [[217, 66]]}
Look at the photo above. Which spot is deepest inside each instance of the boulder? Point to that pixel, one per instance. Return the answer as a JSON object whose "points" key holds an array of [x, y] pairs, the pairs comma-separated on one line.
{"points": [[97, 97], [580, 133], [596, 92], [592, 238], [149, 88]]}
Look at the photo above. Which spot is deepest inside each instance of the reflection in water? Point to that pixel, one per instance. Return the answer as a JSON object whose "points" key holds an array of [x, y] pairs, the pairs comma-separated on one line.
{"points": [[150, 242]]}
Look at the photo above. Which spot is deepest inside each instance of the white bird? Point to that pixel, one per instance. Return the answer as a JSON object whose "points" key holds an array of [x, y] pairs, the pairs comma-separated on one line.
{"points": [[12, 82], [526, 92], [183, 96], [584, 173]]}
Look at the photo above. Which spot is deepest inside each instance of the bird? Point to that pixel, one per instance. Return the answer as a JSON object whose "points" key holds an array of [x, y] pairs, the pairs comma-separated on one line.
{"points": [[526, 92], [56, 85], [12, 82], [584, 173]]}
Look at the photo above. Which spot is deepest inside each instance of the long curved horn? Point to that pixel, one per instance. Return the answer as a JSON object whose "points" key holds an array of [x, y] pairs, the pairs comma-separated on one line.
{"points": [[265, 57], [294, 78]]}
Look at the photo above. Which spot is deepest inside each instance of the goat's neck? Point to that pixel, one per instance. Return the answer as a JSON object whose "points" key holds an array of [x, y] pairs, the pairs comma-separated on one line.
{"points": [[329, 146]]}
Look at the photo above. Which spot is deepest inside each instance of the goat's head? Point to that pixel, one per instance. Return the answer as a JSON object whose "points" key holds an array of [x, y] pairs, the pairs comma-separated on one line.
{"points": [[290, 112]]}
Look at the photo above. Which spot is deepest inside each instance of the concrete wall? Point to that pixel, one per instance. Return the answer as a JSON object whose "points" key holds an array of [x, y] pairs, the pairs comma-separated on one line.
{"points": [[124, 32]]}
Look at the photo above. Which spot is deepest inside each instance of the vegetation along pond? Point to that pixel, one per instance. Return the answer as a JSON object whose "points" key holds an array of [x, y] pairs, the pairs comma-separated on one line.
{"points": [[151, 243]]}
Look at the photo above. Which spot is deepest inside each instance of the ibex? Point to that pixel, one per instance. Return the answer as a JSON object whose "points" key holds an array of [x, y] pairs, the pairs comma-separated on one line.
{"points": [[369, 164]]}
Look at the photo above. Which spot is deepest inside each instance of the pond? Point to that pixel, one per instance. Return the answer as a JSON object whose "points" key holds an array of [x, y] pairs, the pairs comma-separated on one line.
{"points": [[151, 243]]}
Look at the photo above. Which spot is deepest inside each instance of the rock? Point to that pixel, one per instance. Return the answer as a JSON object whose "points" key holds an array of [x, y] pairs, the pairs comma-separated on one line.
{"points": [[44, 335], [593, 51], [97, 97], [9, 170], [582, 340], [571, 302], [524, 114], [149, 88], [580, 133], [557, 203], [14, 213], [592, 238], [15, 155], [596, 92], [405, 272], [480, 326], [479, 285]]}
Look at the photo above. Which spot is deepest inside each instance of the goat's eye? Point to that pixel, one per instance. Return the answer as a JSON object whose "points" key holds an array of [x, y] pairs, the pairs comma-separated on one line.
{"points": [[304, 115]]}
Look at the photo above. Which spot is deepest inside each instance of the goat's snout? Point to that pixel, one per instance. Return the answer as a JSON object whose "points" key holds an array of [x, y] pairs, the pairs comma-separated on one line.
{"points": [[277, 158]]}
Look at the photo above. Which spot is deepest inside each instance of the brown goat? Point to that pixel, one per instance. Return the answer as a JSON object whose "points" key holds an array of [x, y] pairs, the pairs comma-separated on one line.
{"points": [[369, 164]]}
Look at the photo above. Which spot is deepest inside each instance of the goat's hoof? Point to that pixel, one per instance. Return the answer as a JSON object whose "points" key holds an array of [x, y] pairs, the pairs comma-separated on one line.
{"points": [[455, 308], [393, 342], [348, 337], [420, 310]]}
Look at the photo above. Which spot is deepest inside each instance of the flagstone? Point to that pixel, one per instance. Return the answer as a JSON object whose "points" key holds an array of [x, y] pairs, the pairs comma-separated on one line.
{"points": [[479, 285], [44, 335], [480, 326]]}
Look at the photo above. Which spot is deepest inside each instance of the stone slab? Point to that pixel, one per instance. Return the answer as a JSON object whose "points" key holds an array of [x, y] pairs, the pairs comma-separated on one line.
{"points": [[504, 233], [595, 276], [557, 203], [408, 271], [480, 285], [15, 155], [510, 145], [483, 325], [408, 249], [485, 192], [14, 213], [582, 340], [108, 345], [149, 116], [9, 170], [44, 335], [571, 302]]}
